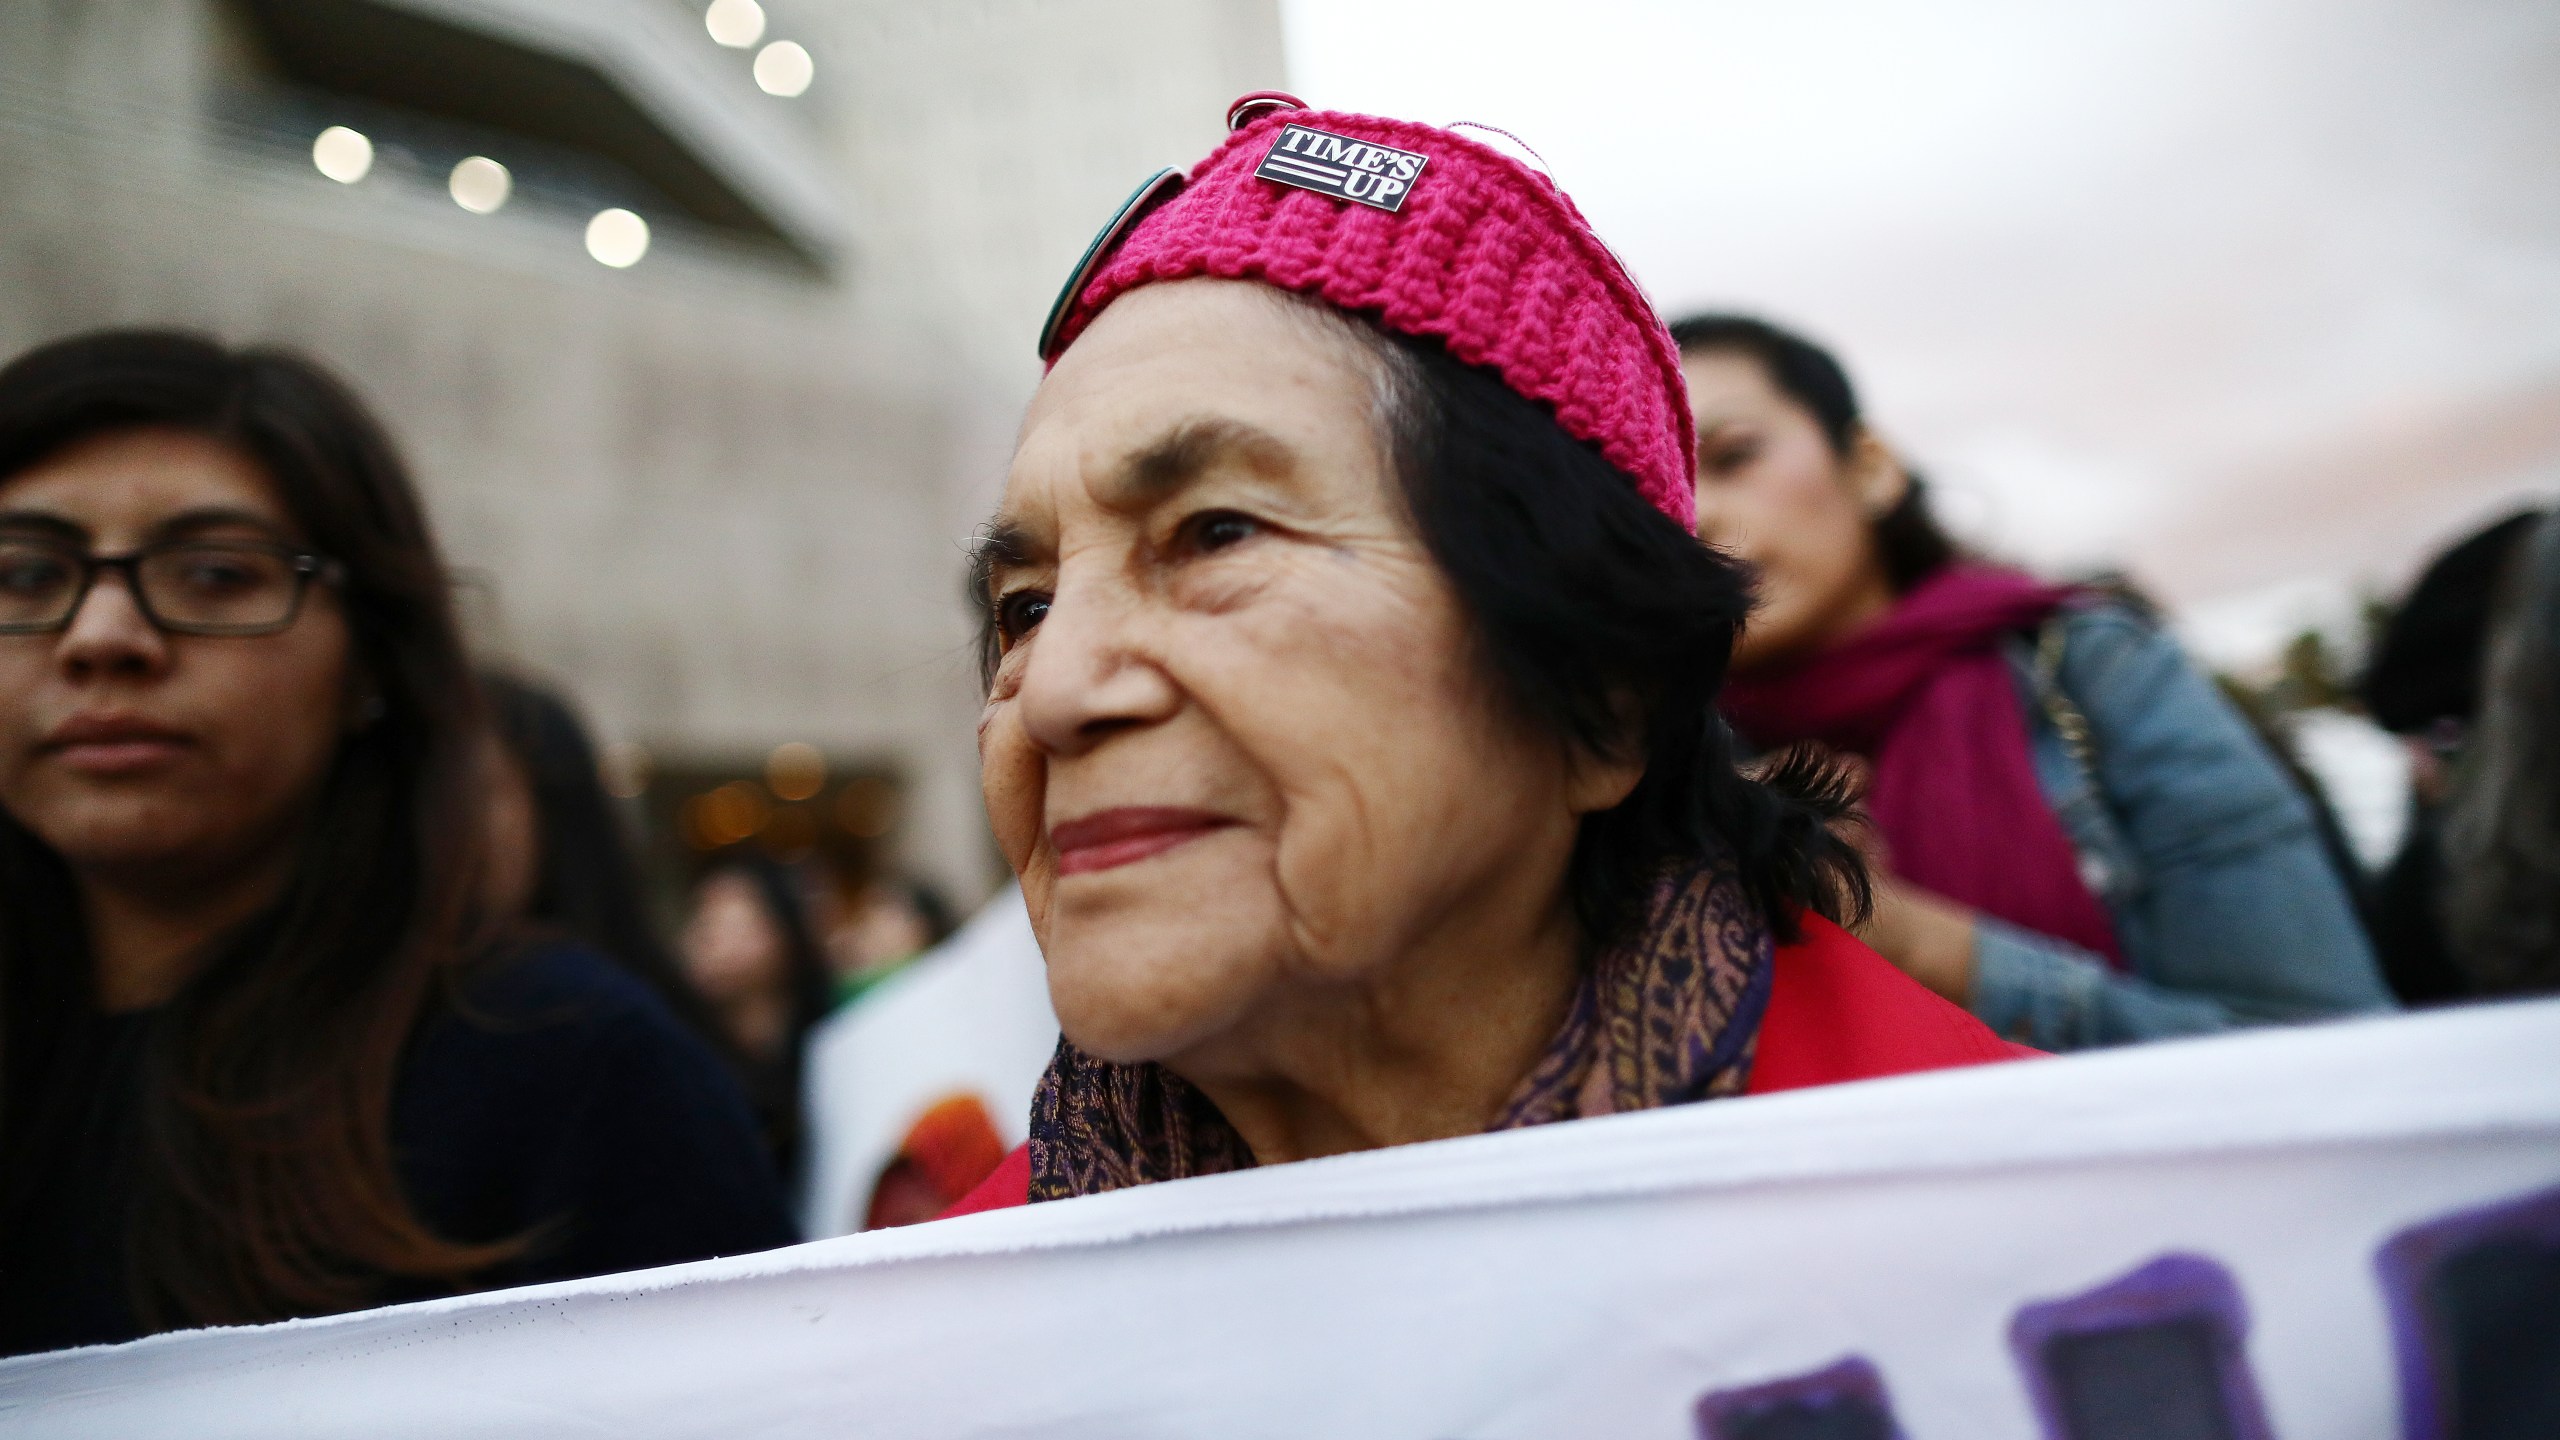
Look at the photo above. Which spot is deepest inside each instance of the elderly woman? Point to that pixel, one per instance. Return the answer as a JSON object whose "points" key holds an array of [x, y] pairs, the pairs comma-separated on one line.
{"points": [[1351, 678]]}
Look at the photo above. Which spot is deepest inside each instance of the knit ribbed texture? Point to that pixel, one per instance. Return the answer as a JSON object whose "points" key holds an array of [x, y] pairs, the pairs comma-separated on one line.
{"points": [[1486, 256]]}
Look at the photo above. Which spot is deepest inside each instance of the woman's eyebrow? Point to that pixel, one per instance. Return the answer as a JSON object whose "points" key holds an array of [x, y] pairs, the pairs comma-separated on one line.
{"points": [[212, 517], [1150, 475], [1188, 450], [1003, 545], [46, 523]]}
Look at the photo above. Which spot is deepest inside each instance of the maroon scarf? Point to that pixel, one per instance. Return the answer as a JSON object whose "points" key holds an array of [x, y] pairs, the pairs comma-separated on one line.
{"points": [[1668, 1016], [1926, 695]]}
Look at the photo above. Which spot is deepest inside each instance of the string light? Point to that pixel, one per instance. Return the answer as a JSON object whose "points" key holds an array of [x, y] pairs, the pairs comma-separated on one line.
{"points": [[480, 185], [617, 238], [784, 68], [735, 23], [342, 154], [795, 770], [733, 812]]}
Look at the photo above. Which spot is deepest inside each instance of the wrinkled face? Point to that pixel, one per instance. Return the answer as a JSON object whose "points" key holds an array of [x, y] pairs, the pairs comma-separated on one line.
{"points": [[1237, 747], [179, 758], [1772, 492]]}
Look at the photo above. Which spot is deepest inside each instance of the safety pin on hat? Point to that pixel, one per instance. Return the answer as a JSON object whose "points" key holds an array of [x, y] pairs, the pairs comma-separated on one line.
{"points": [[1249, 108]]}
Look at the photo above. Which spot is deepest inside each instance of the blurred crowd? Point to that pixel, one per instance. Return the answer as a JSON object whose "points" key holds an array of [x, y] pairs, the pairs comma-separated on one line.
{"points": [[331, 974]]}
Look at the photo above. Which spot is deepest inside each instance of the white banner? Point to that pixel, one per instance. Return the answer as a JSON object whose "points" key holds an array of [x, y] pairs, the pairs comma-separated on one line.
{"points": [[2303, 1233]]}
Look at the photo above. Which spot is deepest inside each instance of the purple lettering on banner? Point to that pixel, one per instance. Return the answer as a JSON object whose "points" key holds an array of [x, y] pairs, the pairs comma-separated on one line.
{"points": [[1844, 1400], [2157, 1354], [2474, 1299]]}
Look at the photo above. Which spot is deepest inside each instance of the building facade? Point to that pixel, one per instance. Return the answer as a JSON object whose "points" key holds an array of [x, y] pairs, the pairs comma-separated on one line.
{"points": [[720, 495]]}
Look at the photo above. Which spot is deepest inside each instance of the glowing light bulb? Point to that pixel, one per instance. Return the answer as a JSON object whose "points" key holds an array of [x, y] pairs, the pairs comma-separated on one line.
{"points": [[783, 68], [342, 154], [617, 238], [480, 185], [734, 23], [795, 770]]}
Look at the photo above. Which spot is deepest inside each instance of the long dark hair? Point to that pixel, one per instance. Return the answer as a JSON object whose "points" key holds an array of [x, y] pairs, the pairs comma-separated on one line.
{"points": [[587, 883], [1909, 540], [1606, 625], [266, 1183]]}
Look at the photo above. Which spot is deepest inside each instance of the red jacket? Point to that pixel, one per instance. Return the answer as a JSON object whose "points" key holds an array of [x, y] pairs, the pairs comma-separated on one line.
{"points": [[1837, 1011]]}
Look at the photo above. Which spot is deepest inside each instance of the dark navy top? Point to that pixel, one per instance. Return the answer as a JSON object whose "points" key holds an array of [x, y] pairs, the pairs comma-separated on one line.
{"points": [[558, 1098]]}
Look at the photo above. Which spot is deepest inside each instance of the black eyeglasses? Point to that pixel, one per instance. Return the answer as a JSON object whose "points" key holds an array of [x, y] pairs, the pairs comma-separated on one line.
{"points": [[185, 587]]}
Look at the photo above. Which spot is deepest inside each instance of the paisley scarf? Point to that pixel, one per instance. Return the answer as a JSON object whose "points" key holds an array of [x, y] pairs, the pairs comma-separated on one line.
{"points": [[1665, 1017]]}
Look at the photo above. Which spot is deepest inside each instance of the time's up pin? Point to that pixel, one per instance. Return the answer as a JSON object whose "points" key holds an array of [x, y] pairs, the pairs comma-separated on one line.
{"points": [[1344, 168]]}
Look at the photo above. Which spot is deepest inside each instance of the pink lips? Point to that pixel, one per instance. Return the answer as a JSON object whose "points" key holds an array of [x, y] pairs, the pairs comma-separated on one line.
{"points": [[1108, 839], [114, 744]]}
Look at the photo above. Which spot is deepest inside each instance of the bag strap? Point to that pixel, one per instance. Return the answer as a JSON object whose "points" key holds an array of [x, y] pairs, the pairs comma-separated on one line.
{"points": [[2079, 741], [2079, 745]]}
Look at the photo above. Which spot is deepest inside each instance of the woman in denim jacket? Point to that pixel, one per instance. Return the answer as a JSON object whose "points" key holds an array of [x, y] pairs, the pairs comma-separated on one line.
{"points": [[2078, 838]]}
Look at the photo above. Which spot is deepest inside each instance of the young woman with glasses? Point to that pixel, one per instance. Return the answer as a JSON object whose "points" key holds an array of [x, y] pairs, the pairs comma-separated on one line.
{"points": [[263, 1050]]}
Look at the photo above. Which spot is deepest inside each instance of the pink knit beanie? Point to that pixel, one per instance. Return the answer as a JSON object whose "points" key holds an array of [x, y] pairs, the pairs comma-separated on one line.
{"points": [[1427, 233]]}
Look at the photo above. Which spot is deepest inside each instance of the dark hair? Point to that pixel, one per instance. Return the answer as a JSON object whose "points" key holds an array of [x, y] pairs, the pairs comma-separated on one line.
{"points": [[266, 1183], [586, 882], [1586, 600], [1909, 541], [2427, 665], [2501, 838], [774, 1086], [1589, 604]]}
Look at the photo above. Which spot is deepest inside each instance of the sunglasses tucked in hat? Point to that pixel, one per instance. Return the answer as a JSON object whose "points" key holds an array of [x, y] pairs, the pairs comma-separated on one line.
{"points": [[1428, 234]]}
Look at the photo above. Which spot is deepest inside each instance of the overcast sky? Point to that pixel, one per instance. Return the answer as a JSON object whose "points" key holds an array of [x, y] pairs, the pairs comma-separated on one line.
{"points": [[2255, 296]]}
